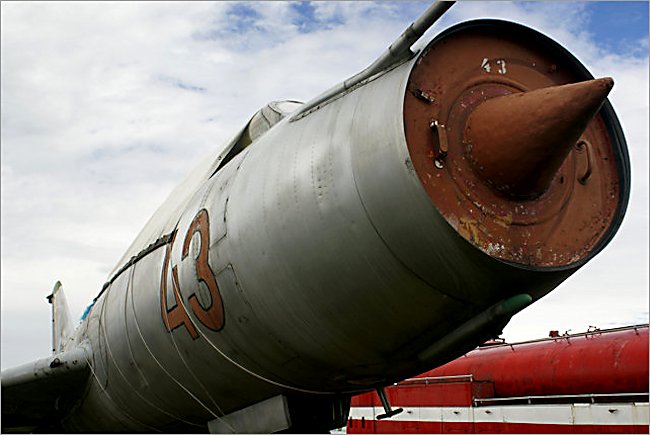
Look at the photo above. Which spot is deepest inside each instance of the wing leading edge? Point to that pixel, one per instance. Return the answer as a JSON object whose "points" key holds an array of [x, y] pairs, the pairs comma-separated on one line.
{"points": [[39, 394]]}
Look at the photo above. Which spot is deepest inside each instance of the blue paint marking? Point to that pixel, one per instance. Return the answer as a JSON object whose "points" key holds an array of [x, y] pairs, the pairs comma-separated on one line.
{"points": [[85, 314]]}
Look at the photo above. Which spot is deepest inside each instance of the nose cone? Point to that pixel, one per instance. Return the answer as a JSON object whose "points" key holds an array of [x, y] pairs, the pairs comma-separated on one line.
{"points": [[518, 142]]}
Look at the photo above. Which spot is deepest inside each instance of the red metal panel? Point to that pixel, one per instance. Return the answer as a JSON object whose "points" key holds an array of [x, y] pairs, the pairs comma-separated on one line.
{"points": [[365, 399], [393, 426], [453, 394], [459, 393], [599, 362], [557, 428]]}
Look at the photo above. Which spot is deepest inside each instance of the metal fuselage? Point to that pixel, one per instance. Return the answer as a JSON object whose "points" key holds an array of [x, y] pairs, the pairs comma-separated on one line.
{"points": [[314, 298], [314, 264]]}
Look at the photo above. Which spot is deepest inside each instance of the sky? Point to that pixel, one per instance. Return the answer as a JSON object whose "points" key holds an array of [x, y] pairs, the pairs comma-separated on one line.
{"points": [[105, 107]]}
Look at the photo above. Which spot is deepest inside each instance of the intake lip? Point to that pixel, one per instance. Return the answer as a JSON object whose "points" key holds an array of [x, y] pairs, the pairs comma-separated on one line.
{"points": [[516, 145]]}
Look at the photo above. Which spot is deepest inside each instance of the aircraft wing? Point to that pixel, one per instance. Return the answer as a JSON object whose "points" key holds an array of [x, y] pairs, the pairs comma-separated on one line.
{"points": [[40, 393]]}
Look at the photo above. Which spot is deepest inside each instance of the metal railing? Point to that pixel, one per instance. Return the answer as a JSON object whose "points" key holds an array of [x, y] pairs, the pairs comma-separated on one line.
{"points": [[564, 398], [427, 380]]}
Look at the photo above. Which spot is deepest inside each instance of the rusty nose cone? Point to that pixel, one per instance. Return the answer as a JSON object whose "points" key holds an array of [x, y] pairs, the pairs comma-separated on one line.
{"points": [[518, 142]]}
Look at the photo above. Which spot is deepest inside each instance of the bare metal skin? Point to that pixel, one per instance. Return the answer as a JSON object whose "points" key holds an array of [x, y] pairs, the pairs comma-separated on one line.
{"points": [[333, 248]]}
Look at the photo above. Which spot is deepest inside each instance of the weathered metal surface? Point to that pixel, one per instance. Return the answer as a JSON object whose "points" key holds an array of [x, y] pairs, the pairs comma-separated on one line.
{"points": [[36, 394], [594, 382], [62, 328], [270, 415], [597, 362], [518, 142], [163, 221], [309, 258], [506, 183]]}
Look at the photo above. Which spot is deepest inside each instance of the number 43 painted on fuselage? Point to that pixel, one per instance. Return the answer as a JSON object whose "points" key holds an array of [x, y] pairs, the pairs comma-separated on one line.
{"points": [[211, 316]]}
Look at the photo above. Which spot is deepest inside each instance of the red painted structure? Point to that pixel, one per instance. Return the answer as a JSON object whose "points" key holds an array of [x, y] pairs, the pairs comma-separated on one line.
{"points": [[594, 382]]}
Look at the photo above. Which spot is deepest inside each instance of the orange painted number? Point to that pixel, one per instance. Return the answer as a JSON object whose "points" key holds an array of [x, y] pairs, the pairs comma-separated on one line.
{"points": [[177, 315], [211, 316]]}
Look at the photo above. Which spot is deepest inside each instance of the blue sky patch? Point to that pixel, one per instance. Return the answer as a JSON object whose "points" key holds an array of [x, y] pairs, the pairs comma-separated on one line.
{"points": [[621, 26], [242, 18], [305, 20]]}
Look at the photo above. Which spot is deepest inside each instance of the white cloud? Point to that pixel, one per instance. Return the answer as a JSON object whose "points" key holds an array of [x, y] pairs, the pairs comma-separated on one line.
{"points": [[107, 106]]}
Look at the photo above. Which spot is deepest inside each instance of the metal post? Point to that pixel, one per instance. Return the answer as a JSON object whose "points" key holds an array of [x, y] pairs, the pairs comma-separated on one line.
{"points": [[384, 401]]}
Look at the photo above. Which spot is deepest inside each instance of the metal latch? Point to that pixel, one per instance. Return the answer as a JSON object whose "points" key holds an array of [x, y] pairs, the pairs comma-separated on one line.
{"points": [[440, 151]]}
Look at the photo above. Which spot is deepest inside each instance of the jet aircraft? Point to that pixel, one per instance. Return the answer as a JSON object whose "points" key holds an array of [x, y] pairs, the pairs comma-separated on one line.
{"points": [[387, 226]]}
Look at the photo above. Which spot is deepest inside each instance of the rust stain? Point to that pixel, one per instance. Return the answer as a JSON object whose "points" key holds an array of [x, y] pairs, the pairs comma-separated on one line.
{"points": [[468, 228], [554, 226], [504, 221], [536, 131]]}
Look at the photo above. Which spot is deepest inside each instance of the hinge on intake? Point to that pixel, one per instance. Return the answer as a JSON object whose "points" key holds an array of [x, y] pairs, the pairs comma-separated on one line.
{"points": [[441, 147]]}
